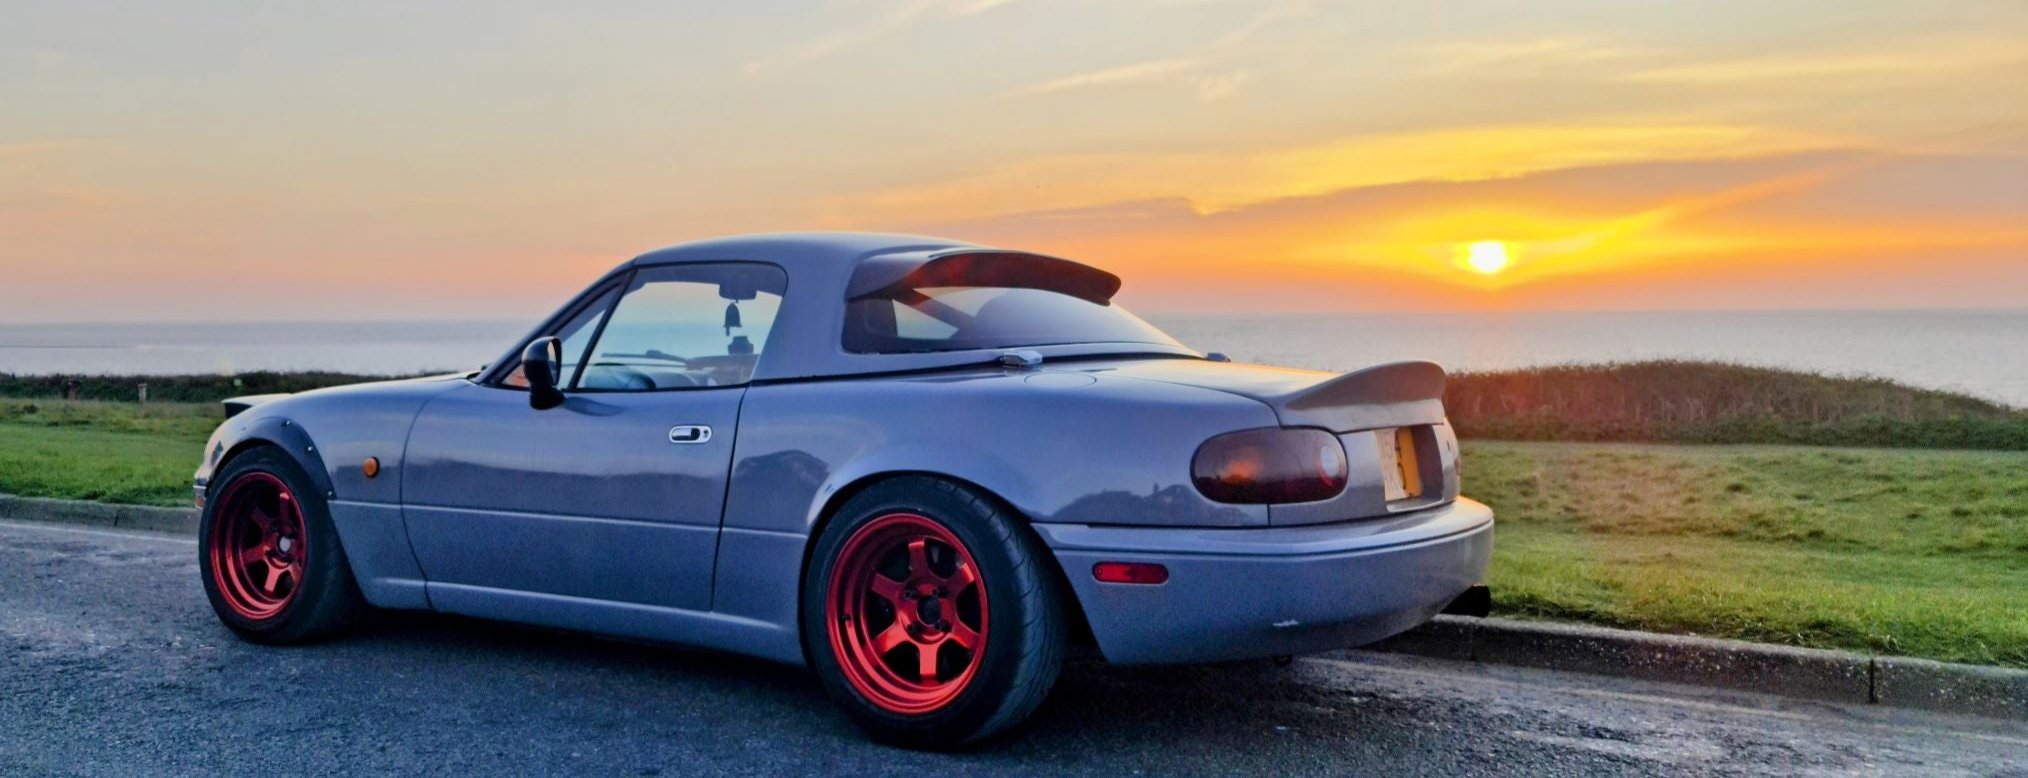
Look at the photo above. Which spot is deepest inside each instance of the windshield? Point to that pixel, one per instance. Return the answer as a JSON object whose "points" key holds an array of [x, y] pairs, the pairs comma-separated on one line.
{"points": [[957, 318]]}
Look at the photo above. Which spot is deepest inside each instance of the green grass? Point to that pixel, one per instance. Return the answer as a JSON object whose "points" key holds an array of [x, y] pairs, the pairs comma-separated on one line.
{"points": [[1921, 553], [111, 452]]}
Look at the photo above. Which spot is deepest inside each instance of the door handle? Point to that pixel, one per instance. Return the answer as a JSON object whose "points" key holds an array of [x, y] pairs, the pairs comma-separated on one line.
{"points": [[690, 434]]}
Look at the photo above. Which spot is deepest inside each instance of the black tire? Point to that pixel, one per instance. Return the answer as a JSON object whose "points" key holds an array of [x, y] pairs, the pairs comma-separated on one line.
{"points": [[1023, 648], [326, 600]]}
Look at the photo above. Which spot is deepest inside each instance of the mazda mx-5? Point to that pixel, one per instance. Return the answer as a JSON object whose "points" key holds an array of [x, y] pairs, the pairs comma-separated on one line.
{"points": [[920, 467]]}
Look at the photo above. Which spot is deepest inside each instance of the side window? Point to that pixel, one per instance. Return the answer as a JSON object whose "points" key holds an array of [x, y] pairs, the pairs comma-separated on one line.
{"points": [[576, 334], [687, 327]]}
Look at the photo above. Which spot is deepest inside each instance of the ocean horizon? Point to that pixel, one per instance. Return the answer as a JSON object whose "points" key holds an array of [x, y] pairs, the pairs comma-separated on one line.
{"points": [[1978, 352]]}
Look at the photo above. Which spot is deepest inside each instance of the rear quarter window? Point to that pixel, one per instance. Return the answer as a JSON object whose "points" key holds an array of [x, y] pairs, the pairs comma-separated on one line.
{"points": [[955, 318]]}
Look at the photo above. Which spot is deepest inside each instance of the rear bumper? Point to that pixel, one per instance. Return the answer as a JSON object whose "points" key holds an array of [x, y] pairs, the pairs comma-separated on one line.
{"points": [[1248, 593]]}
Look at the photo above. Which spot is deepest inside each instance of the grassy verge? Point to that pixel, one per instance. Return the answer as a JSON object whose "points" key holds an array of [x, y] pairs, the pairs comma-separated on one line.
{"points": [[111, 452], [1921, 553]]}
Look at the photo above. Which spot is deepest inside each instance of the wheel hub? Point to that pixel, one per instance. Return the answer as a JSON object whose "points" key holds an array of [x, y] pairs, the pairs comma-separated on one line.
{"points": [[907, 613], [931, 611]]}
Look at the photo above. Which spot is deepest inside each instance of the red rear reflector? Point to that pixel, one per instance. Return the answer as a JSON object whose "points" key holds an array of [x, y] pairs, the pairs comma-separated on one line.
{"points": [[1130, 572]]}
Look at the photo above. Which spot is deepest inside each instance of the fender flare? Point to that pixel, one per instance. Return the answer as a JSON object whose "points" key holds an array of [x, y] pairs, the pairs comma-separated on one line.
{"points": [[289, 436]]}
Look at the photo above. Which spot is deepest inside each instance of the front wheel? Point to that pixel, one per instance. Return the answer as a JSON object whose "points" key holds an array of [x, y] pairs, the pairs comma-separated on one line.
{"points": [[272, 565], [931, 615]]}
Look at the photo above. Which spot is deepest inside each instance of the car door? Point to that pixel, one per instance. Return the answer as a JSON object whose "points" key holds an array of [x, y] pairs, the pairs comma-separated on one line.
{"points": [[616, 495]]}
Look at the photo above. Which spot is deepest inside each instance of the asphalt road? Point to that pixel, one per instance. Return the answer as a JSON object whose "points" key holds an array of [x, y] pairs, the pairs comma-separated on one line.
{"points": [[111, 664]]}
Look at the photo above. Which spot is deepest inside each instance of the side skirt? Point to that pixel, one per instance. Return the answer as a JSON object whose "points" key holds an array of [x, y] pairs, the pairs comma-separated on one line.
{"points": [[646, 622]]}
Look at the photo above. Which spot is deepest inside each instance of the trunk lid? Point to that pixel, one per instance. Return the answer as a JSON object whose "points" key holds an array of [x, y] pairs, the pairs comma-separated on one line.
{"points": [[1391, 395], [1400, 451]]}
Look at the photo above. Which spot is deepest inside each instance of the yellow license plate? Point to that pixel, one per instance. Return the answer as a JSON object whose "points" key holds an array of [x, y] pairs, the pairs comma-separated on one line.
{"points": [[1400, 470]]}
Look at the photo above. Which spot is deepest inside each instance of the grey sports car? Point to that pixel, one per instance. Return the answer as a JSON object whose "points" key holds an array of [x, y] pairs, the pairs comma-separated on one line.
{"points": [[921, 467]]}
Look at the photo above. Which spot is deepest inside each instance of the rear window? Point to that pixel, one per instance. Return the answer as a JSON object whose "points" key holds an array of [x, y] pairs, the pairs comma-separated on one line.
{"points": [[904, 319]]}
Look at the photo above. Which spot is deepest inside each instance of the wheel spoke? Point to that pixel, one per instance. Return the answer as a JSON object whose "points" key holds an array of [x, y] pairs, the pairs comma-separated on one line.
{"points": [[964, 636], [926, 663], [895, 635], [274, 578], [961, 577], [256, 554], [918, 557], [263, 519], [887, 589]]}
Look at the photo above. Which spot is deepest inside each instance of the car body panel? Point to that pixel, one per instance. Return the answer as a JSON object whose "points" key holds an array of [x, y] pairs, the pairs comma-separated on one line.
{"points": [[1055, 445], [591, 516], [1238, 594], [330, 433], [767, 640], [587, 500]]}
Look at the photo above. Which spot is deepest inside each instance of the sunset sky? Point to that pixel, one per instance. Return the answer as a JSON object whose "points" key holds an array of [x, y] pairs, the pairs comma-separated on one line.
{"points": [[462, 159]]}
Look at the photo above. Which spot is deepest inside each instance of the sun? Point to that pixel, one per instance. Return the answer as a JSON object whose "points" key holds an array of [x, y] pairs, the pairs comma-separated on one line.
{"points": [[1487, 256]]}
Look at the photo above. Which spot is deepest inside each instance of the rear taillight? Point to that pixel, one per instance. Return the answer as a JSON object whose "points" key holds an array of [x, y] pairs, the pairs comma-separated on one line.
{"points": [[1274, 465]]}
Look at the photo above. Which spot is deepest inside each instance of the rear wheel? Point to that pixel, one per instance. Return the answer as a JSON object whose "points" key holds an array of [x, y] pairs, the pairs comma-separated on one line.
{"points": [[930, 614], [272, 565]]}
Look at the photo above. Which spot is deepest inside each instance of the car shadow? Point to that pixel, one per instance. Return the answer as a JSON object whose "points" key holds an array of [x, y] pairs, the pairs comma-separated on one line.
{"points": [[1233, 714]]}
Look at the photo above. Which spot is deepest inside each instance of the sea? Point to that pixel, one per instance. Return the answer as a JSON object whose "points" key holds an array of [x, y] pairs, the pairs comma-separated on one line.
{"points": [[1982, 353]]}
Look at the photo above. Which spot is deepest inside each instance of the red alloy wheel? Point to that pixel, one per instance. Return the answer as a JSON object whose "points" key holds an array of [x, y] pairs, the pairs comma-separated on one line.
{"points": [[907, 614], [257, 546]]}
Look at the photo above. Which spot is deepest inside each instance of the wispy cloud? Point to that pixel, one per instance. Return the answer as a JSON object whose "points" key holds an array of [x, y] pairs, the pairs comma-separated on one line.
{"points": [[1207, 71], [1509, 57], [895, 20], [1218, 87], [1149, 72], [1275, 14], [1210, 86], [1604, 60], [1911, 59], [1214, 181]]}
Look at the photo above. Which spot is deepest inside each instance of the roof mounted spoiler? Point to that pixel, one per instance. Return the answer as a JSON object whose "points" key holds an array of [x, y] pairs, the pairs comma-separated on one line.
{"points": [[880, 276]]}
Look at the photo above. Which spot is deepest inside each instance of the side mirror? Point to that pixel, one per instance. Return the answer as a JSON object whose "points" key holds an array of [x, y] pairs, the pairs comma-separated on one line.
{"points": [[542, 365]]}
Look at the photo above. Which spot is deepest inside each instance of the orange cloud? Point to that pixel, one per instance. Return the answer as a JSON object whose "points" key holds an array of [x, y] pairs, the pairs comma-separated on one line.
{"points": [[1628, 224]]}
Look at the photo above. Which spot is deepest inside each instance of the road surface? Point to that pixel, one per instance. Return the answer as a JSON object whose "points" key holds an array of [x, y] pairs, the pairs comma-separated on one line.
{"points": [[111, 664]]}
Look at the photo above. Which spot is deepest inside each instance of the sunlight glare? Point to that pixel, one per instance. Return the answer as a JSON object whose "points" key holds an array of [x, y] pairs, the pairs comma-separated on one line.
{"points": [[1487, 256]]}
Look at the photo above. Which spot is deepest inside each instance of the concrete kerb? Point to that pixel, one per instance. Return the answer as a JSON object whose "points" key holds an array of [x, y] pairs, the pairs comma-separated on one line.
{"points": [[1800, 673], [181, 521]]}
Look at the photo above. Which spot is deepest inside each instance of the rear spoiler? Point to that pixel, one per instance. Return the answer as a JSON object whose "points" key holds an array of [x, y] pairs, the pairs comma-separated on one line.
{"points": [[982, 267], [1392, 395], [234, 406]]}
